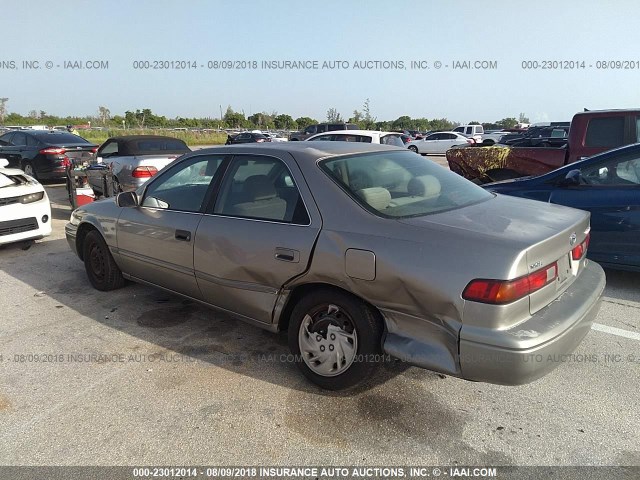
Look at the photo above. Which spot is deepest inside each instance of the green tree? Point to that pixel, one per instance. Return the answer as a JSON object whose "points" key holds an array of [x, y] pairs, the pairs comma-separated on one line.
{"points": [[333, 116], [509, 122], [3, 108], [368, 121], [284, 121], [402, 123], [233, 119], [522, 118], [304, 122]]}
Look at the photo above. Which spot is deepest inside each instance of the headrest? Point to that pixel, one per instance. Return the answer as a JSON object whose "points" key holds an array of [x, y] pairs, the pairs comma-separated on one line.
{"points": [[426, 186], [377, 197], [259, 187]]}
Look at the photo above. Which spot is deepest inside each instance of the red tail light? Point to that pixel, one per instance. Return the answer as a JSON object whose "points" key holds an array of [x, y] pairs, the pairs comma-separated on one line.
{"points": [[259, 140], [506, 291], [66, 162], [53, 151], [144, 172], [94, 149], [470, 140], [580, 251]]}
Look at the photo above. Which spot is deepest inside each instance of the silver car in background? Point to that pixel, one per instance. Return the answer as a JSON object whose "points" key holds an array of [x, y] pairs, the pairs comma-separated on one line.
{"points": [[132, 160], [355, 249]]}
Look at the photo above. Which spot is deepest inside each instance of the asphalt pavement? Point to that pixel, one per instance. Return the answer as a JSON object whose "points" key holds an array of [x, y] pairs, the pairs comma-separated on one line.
{"points": [[137, 376]]}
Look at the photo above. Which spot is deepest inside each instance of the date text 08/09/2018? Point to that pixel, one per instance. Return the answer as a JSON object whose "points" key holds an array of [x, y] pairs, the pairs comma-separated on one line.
{"points": [[231, 64]]}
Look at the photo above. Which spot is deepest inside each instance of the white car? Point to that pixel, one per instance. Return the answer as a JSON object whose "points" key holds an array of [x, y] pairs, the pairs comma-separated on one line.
{"points": [[25, 212], [438, 143], [366, 136], [275, 137]]}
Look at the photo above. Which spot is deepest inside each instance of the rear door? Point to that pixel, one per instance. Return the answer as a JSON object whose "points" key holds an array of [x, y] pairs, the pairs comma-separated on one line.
{"points": [[258, 236], [155, 240], [612, 195]]}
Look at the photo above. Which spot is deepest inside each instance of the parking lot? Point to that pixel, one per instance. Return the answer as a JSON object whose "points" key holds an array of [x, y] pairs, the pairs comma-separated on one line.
{"points": [[137, 376]]}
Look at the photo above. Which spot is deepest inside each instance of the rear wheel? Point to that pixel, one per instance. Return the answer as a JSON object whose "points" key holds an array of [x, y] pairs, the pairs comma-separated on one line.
{"points": [[102, 270], [413, 148], [335, 339], [27, 167]]}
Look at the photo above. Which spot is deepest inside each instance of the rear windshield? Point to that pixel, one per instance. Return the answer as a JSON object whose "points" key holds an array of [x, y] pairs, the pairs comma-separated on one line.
{"points": [[401, 184], [59, 138]]}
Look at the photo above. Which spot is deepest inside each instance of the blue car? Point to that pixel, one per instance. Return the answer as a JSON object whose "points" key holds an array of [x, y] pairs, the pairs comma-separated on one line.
{"points": [[608, 186]]}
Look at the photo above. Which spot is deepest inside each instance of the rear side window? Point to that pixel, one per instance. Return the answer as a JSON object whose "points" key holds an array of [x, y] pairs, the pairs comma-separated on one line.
{"points": [[392, 140], [32, 141], [161, 146], [605, 132], [261, 188]]}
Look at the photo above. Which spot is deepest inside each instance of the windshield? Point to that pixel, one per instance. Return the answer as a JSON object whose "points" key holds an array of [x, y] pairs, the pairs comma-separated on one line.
{"points": [[402, 184]]}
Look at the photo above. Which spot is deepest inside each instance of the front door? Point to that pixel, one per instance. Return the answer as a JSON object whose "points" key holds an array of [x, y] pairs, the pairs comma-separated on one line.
{"points": [[155, 240]]}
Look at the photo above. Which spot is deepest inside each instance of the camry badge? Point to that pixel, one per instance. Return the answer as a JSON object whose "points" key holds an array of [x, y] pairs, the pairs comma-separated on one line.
{"points": [[572, 239]]}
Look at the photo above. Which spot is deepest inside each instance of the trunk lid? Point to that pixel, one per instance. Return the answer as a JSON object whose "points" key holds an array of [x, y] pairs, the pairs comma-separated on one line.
{"points": [[532, 234], [158, 161]]}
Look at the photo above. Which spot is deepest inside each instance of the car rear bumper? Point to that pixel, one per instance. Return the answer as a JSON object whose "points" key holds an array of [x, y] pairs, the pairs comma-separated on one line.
{"points": [[533, 348]]}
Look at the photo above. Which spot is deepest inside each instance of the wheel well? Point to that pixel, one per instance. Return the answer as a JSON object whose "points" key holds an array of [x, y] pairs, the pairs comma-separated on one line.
{"points": [[301, 290], [83, 230]]}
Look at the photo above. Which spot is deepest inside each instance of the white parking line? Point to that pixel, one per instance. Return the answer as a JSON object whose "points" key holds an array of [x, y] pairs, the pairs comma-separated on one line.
{"points": [[616, 331]]}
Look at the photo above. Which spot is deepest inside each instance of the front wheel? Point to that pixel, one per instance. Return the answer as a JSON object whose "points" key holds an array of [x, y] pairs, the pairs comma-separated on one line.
{"points": [[335, 339], [102, 270]]}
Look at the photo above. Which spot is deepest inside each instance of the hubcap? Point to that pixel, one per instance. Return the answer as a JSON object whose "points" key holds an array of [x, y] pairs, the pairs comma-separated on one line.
{"points": [[28, 169], [96, 260], [328, 341]]}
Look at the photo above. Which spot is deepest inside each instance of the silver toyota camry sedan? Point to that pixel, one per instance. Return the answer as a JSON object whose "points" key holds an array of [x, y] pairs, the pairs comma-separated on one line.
{"points": [[360, 252]]}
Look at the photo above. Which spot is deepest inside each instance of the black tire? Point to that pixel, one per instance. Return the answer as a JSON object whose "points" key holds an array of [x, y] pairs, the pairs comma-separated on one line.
{"points": [[413, 148], [26, 165], [101, 268], [366, 324]]}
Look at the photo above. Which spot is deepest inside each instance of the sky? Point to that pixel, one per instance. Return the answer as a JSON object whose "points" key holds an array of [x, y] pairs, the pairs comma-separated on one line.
{"points": [[507, 32]]}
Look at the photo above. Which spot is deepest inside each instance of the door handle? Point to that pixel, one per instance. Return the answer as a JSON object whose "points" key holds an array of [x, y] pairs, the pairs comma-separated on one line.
{"points": [[287, 255], [183, 235]]}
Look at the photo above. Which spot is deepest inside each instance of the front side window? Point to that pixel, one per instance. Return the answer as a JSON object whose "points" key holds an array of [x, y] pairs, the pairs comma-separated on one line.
{"points": [[401, 184], [184, 186], [261, 188], [621, 171], [310, 130]]}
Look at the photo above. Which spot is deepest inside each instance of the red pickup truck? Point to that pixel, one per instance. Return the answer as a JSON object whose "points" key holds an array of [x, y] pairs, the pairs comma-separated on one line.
{"points": [[591, 132]]}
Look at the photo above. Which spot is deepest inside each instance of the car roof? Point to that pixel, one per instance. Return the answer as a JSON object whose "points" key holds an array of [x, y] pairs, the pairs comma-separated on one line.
{"points": [[356, 132], [130, 138], [307, 150]]}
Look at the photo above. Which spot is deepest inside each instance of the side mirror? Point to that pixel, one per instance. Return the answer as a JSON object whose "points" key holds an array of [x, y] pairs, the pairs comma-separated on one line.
{"points": [[572, 179], [127, 199], [3, 162]]}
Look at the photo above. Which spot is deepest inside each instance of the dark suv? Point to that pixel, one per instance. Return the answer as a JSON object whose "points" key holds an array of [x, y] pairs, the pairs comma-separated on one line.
{"points": [[321, 128], [44, 154]]}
